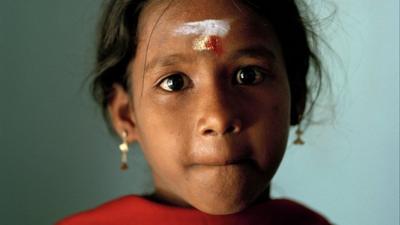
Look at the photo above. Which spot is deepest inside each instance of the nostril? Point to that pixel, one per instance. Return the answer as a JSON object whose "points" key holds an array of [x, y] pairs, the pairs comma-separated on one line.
{"points": [[219, 128], [234, 127], [230, 129], [209, 132]]}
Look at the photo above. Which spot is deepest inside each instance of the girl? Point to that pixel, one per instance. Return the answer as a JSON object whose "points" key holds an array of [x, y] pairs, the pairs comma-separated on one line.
{"points": [[209, 89]]}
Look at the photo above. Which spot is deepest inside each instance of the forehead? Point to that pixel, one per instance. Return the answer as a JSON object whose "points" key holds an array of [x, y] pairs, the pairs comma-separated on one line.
{"points": [[179, 9], [164, 15], [160, 21]]}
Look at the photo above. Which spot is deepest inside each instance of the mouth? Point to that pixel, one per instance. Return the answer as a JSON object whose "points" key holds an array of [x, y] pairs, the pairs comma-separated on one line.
{"points": [[222, 154], [227, 172], [232, 162], [228, 163]]}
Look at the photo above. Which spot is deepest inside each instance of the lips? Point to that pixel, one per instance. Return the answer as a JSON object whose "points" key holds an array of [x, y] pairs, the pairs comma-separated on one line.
{"points": [[221, 154], [229, 162]]}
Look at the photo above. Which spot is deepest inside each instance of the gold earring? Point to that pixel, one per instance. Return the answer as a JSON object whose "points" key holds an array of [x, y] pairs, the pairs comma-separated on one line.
{"points": [[124, 151], [299, 133]]}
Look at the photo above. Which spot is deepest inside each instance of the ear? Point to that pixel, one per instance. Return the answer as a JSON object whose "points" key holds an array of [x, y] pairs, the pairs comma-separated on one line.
{"points": [[298, 101], [121, 113]]}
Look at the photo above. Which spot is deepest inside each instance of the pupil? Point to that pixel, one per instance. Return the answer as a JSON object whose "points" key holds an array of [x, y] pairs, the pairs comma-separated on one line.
{"points": [[175, 82], [247, 76]]}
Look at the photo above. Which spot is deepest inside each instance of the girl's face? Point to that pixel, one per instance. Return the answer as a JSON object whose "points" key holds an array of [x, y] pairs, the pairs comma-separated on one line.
{"points": [[210, 103]]}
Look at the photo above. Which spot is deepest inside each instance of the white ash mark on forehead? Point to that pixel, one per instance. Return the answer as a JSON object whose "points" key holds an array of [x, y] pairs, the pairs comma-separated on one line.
{"points": [[204, 28]]}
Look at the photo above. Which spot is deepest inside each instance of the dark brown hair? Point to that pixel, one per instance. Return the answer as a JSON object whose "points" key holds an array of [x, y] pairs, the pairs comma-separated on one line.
{"points": [[118, 41]]}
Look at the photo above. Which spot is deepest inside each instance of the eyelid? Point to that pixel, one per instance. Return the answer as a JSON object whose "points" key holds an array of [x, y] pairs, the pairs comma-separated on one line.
{"points": [[261, 69], [265, 73], [186, 79]]}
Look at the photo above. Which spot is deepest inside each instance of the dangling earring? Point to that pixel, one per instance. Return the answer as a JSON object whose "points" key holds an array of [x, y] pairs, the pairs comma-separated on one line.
{"points": [[124, 151], [299, 132]]}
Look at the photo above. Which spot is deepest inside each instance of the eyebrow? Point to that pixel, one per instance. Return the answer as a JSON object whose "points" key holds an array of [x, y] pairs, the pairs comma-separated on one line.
{"points": [[168, 60], [256, 51]]}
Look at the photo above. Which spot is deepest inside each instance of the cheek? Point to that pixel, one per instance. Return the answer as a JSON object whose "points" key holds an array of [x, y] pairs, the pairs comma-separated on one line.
{"points": [[270, 138], [269, 122], [163, 138]]}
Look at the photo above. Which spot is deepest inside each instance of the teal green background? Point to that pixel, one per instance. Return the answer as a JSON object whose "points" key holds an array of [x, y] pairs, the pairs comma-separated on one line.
{"points": [[57, 157]]}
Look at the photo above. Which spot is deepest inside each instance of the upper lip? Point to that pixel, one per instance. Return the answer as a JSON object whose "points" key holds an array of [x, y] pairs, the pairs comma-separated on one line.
{"points": [[228, 162]]}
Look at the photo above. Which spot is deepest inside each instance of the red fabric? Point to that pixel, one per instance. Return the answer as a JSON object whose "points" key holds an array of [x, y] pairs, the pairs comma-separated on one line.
{"points": [[134, 210]]}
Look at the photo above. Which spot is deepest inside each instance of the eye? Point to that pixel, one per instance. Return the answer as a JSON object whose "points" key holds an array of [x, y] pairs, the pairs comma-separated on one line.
{"points": [[249, 76], [175, 82]]}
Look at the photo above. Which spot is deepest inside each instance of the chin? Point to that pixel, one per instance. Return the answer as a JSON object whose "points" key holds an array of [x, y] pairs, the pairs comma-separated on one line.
{"points": [[223, 205], [225, 190], [225, 200], [223, 209]]}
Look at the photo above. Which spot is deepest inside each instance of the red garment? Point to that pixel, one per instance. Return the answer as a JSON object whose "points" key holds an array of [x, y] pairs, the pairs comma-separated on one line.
{"points": [[134, 210]]}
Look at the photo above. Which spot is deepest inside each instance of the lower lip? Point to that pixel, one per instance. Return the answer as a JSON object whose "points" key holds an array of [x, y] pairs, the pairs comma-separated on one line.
{"points": [[214, 174]]}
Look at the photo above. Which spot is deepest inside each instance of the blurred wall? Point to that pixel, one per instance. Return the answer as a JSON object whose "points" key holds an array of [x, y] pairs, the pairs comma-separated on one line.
{"points": [[57, 157]]}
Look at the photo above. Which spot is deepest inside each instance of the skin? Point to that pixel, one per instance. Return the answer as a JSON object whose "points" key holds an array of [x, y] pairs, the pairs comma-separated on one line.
{"points": [[216, 143]]}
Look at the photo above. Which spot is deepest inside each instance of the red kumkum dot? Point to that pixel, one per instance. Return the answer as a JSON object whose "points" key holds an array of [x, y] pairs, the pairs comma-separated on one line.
{"points": [[214, 44]]}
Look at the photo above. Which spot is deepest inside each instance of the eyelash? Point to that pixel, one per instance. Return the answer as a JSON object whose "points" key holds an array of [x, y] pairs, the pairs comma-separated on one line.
{"points": [[186, 80], [260, 72]]}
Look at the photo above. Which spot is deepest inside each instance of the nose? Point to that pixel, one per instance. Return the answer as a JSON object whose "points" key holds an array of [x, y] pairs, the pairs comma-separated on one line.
{"points": [[216, 127], [219, 114]]}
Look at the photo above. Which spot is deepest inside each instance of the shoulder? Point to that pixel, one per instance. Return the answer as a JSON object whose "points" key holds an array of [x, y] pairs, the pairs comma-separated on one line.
{"points": [[107, 212], [290, 212]]}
